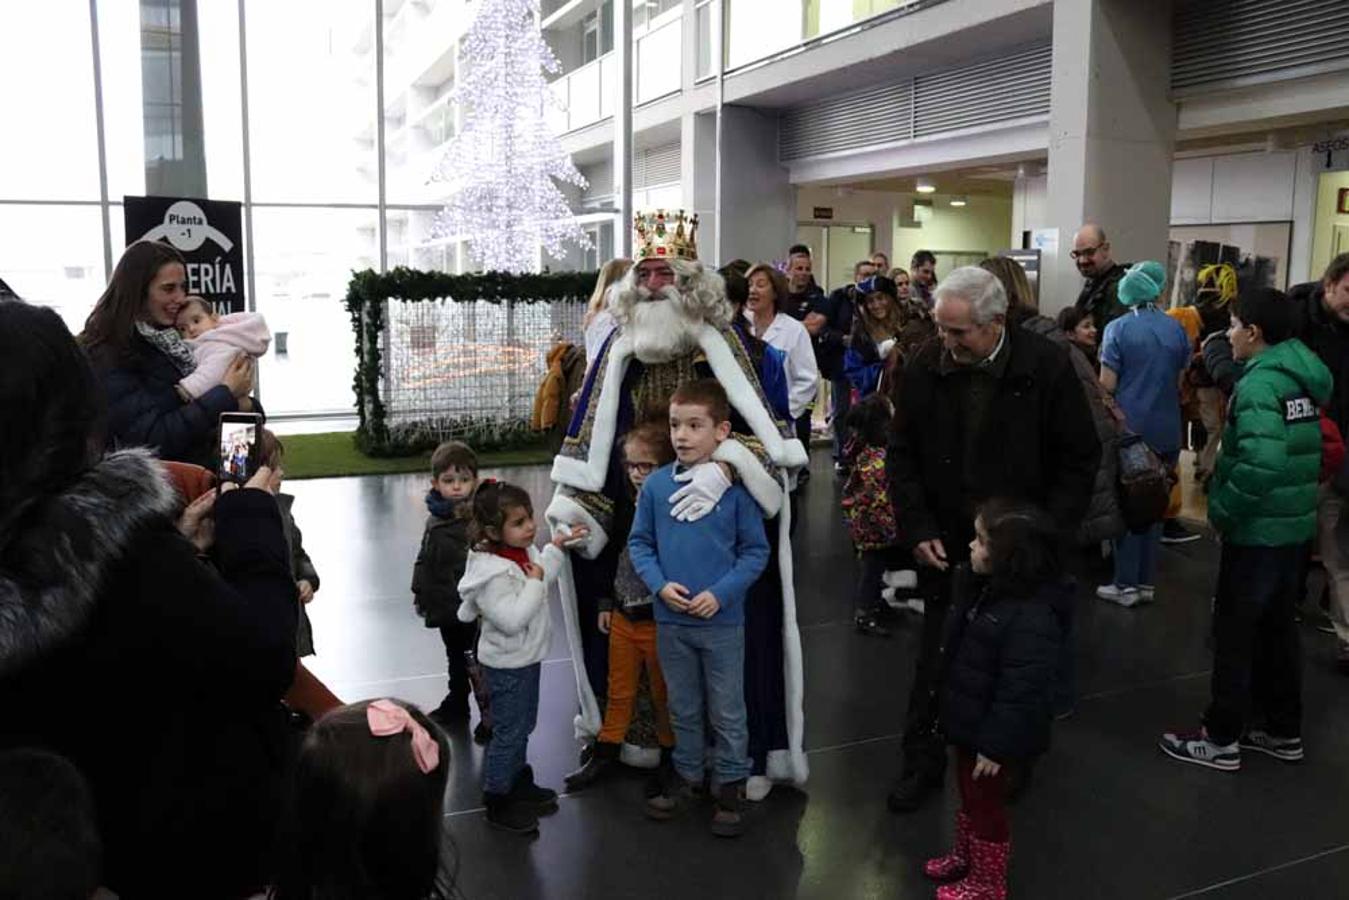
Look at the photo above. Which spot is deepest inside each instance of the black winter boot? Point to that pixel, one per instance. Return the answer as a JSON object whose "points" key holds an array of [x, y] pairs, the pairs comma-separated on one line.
{"points": [[524, 791], [507, 814], [602, 759]]}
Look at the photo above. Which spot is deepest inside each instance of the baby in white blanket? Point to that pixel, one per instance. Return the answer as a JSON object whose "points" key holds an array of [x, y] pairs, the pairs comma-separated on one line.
{"points": [[216, 341]]}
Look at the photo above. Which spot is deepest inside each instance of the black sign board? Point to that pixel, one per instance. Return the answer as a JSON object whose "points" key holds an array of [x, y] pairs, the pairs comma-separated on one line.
{"points": [[209, 234], [823, 212]]}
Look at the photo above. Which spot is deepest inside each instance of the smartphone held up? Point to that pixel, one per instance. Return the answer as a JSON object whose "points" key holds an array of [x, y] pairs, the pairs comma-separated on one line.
{"points": [[239, 446]]}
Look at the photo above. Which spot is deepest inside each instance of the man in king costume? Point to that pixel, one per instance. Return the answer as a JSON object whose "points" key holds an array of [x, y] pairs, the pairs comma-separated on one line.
{"points": [[675, 325]]}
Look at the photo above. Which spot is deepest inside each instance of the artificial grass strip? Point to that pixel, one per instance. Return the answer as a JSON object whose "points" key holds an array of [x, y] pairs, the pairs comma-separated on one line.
{"points": [[334, 454]]}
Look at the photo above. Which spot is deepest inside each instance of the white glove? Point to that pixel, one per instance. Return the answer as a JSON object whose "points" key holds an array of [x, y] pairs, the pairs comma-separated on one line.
{"points": [[705, 485], [563, 529], [885, 347]]}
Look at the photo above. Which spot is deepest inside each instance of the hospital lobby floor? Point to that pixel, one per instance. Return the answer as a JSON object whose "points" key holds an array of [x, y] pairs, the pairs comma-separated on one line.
{"points": [[1106, 816]]}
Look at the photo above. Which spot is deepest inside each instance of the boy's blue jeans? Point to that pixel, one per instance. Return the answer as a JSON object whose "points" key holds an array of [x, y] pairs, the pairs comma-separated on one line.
{"points": [[515, 709], [705, 664]]}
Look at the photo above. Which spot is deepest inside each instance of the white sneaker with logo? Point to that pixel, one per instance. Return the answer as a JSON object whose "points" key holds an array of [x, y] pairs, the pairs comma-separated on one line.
{"points": [[1114, 593], [1195, 747]]}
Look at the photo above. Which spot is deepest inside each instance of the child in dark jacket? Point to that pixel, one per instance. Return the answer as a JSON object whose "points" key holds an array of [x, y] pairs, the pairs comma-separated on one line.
{"points": [[440, 564], [1002, 649]]}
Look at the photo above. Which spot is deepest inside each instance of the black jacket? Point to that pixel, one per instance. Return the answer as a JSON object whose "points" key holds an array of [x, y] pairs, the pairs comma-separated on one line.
{"points": [[1328, 338], [157, 675], [832, 339], [799, 305], [1099, 297], [1038, 442], [1001, 653], [145, 410], [1221, 366], [440, 564]]}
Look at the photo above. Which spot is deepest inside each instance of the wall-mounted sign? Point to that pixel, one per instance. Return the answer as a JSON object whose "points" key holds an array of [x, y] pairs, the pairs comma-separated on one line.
{"points": [[1046, 240], [823, 212], [209, 234]]}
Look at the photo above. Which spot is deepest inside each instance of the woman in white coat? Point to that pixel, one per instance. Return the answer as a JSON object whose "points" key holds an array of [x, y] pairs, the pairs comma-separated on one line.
{"points": [[767, 291]]}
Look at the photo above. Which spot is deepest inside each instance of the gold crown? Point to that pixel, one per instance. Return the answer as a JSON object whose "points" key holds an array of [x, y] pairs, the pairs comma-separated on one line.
{"points": [[666, 235]]}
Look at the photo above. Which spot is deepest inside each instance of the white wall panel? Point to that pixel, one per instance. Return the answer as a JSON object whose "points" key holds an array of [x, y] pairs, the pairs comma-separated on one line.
{"points": [[1192, 191], [1253, 187]]}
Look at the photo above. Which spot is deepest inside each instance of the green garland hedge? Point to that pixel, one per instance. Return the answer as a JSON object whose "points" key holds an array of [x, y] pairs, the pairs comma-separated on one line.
{"points": [[366, 295]]}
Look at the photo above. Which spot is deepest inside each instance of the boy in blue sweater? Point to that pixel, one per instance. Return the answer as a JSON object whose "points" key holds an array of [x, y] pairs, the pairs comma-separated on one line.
{"points": [[701, 571]]}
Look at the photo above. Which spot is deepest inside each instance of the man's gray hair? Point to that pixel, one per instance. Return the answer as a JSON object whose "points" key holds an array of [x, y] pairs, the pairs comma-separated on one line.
{"points": [[980, 288]]}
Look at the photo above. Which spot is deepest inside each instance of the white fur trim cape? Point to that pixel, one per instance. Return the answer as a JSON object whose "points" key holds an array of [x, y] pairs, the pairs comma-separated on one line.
{"points": [[586, 473]]}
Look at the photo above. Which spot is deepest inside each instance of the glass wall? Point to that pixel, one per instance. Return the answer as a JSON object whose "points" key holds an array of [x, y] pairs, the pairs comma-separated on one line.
{"points": [[756, 29], [306, 161], [51, 232]]}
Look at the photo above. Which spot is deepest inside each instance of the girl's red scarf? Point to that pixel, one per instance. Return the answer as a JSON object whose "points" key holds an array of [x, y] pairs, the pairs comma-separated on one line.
{"points": [[517, 555]]}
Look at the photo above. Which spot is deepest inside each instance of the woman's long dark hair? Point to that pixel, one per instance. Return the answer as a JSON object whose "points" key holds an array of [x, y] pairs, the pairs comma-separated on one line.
{"points": [[1024, 546], [363, 821], [108, 328], [51, 407]]}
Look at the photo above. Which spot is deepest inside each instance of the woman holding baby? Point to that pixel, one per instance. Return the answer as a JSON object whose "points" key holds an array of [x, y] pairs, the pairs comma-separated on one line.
{"points": [[165, 387]]}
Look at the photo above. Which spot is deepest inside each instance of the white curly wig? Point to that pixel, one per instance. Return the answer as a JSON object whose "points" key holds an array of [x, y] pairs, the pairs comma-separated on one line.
{"points": [[701, 294]]}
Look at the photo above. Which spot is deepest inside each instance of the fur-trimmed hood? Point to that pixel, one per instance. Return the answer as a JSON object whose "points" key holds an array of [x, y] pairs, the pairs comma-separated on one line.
{"points": [[52, 570]]}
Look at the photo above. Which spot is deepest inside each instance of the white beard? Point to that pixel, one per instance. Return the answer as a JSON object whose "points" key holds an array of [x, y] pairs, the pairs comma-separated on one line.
{"points": [[659, 330]]}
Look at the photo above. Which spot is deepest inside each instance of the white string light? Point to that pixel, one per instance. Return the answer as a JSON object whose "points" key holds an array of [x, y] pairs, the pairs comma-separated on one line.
{"points": [[500, 169]]}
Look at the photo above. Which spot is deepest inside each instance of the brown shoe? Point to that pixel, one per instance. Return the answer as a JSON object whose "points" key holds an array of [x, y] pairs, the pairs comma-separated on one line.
{"points": [[727, 821], [676, 798]]}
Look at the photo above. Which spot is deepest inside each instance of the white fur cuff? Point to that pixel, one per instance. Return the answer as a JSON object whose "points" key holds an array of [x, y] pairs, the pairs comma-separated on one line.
{"points": [[765, 490], [794, 455], [566, 511]]}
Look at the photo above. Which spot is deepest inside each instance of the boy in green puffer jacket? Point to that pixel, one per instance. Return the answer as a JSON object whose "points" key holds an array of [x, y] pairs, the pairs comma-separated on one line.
{"points": [[1262, 501]]}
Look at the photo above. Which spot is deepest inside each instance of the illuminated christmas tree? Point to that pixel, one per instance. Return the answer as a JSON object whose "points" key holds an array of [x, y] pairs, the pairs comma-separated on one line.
{"points": [[503, 167]]}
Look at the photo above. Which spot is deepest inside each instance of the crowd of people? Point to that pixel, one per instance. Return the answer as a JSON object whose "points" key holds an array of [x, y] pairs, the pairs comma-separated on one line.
{"points": [[989, 458]]}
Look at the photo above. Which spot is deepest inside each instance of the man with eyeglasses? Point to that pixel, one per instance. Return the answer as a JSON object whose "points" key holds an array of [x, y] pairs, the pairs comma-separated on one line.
{"points": [[1091, 253], [987, 411]]}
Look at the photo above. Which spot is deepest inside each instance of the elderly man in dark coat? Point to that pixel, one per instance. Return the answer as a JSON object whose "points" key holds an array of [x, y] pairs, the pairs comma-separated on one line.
{"points": [[986, 411]]}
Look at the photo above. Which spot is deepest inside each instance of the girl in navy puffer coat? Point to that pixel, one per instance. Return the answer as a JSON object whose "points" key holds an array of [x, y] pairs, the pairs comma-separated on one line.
{"points": [[1002, 649]]}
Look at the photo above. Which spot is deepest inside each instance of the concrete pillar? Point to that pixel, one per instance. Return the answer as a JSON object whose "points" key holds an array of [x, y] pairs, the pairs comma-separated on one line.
{"points": [[1112, 130], [698, 176], [757, 216]]}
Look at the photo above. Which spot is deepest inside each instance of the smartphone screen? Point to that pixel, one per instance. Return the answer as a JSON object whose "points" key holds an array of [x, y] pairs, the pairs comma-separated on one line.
{"points": [[240, 447]]}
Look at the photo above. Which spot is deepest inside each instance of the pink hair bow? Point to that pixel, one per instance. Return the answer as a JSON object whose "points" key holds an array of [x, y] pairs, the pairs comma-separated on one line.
{"points": [[386, 717]]}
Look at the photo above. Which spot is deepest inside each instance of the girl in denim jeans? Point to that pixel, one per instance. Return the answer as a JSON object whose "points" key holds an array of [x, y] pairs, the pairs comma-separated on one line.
{"points": [[505, 585]]}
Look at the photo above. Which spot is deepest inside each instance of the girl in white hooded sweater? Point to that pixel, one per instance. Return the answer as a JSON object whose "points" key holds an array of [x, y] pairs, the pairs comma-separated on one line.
{"points": [[505, 586]]}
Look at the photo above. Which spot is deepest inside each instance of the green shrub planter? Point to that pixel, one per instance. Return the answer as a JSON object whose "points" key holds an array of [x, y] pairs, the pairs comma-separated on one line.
{"points": [[367, 295]]}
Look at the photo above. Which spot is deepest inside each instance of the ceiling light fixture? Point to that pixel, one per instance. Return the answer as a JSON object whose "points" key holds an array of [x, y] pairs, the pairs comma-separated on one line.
{"points": [[958, 201], [924, 186]]}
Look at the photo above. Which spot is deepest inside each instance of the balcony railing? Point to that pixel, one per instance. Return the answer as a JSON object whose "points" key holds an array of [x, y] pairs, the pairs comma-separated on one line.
{"points": [[588, 94]]}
